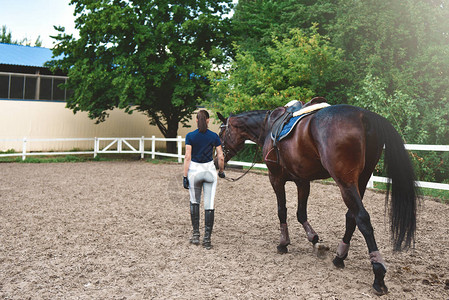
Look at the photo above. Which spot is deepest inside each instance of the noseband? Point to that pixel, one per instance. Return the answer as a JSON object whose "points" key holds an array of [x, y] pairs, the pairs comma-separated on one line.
{"points": [[227, 151]]}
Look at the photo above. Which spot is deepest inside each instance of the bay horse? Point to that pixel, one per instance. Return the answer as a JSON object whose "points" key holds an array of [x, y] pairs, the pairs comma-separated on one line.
{"points": [[343, 142]]}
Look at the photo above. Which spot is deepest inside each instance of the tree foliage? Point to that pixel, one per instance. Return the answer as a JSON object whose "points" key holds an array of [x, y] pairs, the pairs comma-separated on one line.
{"points": [[393, 60], [404, 45], [298, 67], [6, 37], [397, 54], [394, 54], [256, 22], [149, 56]]}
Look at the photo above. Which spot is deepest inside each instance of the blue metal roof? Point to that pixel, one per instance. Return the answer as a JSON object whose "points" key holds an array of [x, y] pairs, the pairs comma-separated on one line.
{"points": [[24, 55]]}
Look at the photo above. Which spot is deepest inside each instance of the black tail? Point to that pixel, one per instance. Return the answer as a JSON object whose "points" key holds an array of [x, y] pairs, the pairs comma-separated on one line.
{"points": [[404, 192]]}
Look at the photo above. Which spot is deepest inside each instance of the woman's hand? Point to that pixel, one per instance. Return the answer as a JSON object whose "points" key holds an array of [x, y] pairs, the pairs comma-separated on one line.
{"points": [[185, 182]]}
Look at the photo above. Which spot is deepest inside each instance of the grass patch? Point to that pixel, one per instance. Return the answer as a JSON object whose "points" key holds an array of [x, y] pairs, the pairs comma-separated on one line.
{"points": [[162, 160], [51, 159], [10, 159], [83, 158], [60, 159], [9, 151]]}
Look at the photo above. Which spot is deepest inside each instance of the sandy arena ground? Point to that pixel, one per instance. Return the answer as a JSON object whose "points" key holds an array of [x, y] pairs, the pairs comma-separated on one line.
{"points": [[120, 230]]}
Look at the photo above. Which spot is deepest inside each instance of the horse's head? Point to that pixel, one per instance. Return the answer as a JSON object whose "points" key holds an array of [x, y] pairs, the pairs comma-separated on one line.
{"points": [[231, 135]]}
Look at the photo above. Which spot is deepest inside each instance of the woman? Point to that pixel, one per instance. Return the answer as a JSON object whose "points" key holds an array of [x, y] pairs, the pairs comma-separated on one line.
{"points": [[199, 173]]}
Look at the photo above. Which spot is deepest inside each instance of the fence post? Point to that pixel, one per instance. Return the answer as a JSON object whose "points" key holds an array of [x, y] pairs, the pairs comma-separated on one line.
{"points": [[24, 148], [95, 147], [153, 147], [179, 149], [370, 184], [119, 145], [142, 147]]}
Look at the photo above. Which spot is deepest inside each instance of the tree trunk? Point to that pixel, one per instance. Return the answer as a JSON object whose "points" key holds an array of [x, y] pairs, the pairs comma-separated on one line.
{"points": [[172, 132], [169, 131]]}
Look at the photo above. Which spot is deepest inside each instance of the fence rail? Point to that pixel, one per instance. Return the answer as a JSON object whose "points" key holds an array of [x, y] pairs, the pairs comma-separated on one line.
{"points": [[114, 145], [124, 145], [416, 147]]}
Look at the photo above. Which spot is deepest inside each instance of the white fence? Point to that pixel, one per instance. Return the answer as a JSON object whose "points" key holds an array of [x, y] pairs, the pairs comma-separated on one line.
{"points": [[124, 145], [113, 145], [424, 184]]}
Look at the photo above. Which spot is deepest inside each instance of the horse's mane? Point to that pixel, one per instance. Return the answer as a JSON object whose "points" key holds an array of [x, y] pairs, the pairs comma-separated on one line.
{"points": [[251, 112], [252, 117]]}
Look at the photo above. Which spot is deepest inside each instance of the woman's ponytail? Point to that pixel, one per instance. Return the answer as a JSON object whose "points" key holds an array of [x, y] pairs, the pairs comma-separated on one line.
{"points": [[202, 117]]}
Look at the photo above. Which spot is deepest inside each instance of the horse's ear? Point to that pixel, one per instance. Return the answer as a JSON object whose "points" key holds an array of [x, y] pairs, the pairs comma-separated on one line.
{"points": [[222, 119]]}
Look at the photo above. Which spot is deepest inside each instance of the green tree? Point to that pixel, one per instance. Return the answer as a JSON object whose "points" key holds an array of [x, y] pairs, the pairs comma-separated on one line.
{"points": [[6, 37], [298, 67], [149, 56], [256, 22], [402, 44], [395, 61], [259, 23], [399, 108]]}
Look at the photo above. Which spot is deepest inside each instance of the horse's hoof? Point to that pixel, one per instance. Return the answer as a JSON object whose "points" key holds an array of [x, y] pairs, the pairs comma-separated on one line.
{"points": [[320, 250], [380, 290], [282, 249], [339, 262], [379, 284], [322, 247]]}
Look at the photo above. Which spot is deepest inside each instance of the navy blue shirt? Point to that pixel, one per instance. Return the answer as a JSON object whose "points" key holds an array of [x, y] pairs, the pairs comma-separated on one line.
{"points": [[202, 145]]}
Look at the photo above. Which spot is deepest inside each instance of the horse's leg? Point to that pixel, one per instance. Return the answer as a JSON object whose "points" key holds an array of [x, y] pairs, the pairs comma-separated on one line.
{"points": [[278, 185], [343, 245], [353, 201], [301, 214], [379, 267]]}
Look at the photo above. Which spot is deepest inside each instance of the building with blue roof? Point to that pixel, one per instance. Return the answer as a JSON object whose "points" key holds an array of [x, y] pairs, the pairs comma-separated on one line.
{"points": [[18, 55], [24, 76], [32, 106]]}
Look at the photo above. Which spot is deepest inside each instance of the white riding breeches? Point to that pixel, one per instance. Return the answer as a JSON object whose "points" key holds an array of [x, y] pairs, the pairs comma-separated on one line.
{"points": [[202, 176]]}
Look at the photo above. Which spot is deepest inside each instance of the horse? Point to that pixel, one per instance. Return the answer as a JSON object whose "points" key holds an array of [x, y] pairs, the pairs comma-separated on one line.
{"points": [[343, 142]]}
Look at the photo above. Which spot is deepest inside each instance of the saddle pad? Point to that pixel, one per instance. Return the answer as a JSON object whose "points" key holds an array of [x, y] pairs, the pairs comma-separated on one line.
{"points": [[297, 116], [310, 108], [289, 126]]}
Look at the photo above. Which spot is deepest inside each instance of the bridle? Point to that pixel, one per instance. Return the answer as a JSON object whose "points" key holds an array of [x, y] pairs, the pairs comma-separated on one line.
{"points": [[233, 152], [227, 151]]}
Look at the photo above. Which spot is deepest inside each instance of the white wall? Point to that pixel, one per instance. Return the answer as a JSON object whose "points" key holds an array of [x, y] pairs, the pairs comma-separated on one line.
{"points": [[40, 119]]}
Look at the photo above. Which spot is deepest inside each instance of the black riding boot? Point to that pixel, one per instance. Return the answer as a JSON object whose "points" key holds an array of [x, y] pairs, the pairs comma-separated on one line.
{"points": [[209, 224], [195, 216]]}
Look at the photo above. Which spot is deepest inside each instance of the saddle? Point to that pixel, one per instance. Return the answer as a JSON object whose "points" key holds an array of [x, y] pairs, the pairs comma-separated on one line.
{"points": [[282, 115]]}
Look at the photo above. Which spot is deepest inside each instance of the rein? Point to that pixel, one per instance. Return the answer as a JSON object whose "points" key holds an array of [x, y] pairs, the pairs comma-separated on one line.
{"points": [[255, 154], [246, 172]]}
